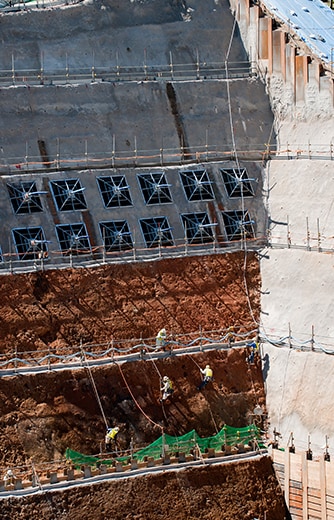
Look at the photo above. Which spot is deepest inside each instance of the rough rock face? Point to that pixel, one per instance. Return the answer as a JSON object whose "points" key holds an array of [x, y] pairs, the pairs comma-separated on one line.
{"points": [[243, 490], [66, 307], [43, 414]]}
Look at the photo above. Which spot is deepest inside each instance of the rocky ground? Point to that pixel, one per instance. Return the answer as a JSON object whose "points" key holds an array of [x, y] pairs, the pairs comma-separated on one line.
{"points": [[240, 491], [41, 415], [65, 307]]}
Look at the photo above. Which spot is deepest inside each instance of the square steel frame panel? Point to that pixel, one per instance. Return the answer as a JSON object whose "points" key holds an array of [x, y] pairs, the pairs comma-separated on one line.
{"points": [[73, 239], [116, 235], [68, 194], [30, 243]]}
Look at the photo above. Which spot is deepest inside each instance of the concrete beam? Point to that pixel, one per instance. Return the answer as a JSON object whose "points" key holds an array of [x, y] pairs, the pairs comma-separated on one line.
{"points": [[265, 26], [278, 54], [301, 77]]}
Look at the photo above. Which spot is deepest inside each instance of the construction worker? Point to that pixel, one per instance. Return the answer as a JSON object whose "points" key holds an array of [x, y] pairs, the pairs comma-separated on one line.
{"points": [[254, 346], [208, 376], [111, 438], [9, 477], [160, 339], [230, 336], [166, 389]]}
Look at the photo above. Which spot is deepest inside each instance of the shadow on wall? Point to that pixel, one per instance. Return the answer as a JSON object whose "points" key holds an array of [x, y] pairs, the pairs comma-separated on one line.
{"points": [[265, 366]]}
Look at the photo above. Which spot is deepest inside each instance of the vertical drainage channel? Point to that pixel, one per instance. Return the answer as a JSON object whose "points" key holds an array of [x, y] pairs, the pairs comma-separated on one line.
{"points": [[88, 221], [178, 121], [43, 153], [50, 202]]}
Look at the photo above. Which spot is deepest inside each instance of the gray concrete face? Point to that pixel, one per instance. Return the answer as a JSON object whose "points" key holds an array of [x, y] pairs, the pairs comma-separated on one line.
{"points": [[95, 118], [66, 118], [194, 216]]}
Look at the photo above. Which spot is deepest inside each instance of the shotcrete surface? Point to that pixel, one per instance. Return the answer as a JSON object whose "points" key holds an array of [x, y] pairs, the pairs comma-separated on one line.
{"points": [[297, 282], [74, 117]]}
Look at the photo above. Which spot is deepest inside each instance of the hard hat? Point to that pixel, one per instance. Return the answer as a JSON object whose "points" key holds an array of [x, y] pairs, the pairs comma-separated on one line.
{"points": [[117, 429], [165, 378], [163, 331], [207, 366]]}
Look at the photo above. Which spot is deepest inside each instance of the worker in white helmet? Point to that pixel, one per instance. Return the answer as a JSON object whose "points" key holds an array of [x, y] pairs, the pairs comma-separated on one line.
{"points": [[166, 388], [160, 339], [9, 477], [111, 438], [208, 376]]}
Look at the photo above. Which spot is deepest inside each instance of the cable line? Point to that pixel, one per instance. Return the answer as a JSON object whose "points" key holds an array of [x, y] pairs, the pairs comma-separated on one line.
{"points": [[94, 387], [212, 417], [253, 386], [155, 365], [243, 236], [164, 412], [192, 359], [136, 402]]}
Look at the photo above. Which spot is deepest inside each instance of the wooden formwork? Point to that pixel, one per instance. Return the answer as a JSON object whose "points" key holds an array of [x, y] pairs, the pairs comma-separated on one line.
{"points": [[307, 482]]}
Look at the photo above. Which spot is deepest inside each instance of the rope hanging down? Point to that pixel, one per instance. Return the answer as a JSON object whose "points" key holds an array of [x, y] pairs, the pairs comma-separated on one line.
{"points": [[192, 359], [209, 407], [135, 401], [94, 387], [243, 238], [155, 365]]}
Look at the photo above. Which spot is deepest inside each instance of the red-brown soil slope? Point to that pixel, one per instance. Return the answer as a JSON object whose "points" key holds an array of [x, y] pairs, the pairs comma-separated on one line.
{"points": [[64, 307], [242, 491], [42, 414]]}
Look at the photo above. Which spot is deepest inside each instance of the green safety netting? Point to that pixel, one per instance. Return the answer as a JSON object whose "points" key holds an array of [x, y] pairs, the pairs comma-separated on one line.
{"points": [[228, 436]]}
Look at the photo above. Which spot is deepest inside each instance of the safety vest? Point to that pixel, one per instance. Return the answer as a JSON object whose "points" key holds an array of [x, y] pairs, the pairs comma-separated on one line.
{"points": [[111, 435], [254, 345], [208, 372]]}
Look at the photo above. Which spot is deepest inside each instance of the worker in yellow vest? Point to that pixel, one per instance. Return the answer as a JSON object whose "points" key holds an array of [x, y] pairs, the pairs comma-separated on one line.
{"points": [[166, 389], [208, 376], [110, 439]]}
